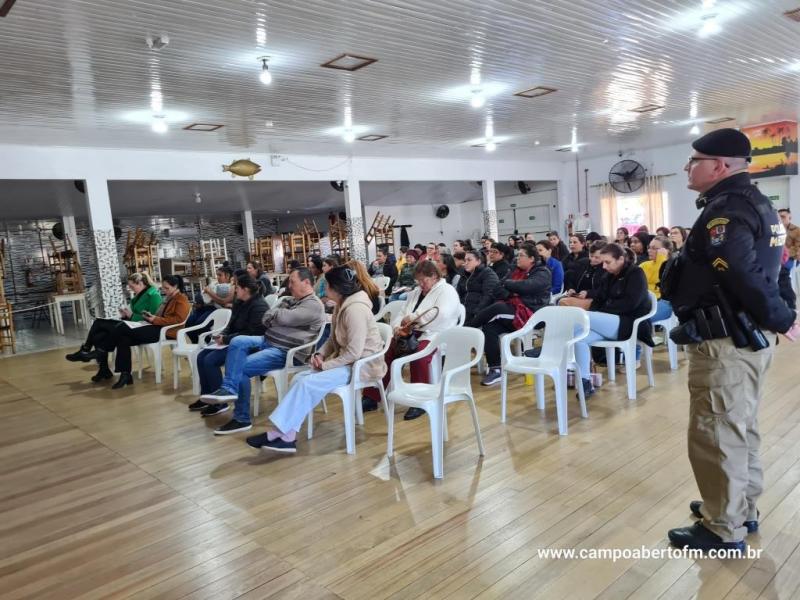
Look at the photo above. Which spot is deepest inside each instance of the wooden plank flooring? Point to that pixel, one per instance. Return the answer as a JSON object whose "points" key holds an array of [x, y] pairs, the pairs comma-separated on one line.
{"points": [[128, 495]]}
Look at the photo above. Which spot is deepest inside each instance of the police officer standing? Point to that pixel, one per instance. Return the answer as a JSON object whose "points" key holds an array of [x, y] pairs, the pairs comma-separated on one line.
{"points": [[724, 291]]}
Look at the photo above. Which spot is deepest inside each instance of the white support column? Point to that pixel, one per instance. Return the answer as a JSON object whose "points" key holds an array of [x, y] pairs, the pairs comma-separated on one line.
{"points": [[247, 227], [105, 246], [489, 209], [355, 220], [71, 234]]}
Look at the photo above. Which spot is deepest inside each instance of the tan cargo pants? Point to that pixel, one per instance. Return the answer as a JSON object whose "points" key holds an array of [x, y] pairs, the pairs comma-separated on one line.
{"points": [[725, 386]]}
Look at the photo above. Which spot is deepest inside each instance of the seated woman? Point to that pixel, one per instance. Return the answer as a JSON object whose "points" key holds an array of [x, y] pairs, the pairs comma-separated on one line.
{"points": [[405, 279], [639, 242], [545, 251], [431, 291], [623, 236], [354, 335], [677, 235], [146, 299], [385, 267], [173, 311], [590, 279], [560, 249], [315, 266], [658, 252], [255, 271], [246, 319], [480, 283], [219, 295], [447, 267], [321, 286], [518, 296], [620, 300], [576, 262], [367, 284], [499, 259]]}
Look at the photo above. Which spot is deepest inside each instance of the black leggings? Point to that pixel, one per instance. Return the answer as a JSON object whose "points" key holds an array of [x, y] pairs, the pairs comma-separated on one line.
{"points": [[101, 334], [492, 330], [125, 337]]}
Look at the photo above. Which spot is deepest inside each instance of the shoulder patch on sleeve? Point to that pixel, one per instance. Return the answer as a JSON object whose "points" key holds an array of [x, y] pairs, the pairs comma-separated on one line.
{"points": [[720, 264], [717, 222]]}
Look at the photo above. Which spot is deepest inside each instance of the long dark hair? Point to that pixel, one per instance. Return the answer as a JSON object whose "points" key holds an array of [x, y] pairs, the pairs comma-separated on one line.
{"points": [[343, 280], [450, 265], [175, 281]]}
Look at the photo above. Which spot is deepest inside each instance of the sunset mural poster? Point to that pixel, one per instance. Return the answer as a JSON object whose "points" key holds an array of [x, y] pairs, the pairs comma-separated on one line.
{"points": [[774, 148]]}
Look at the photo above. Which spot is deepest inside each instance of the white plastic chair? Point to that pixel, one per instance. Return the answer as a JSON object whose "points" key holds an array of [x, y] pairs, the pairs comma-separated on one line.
{"points": [[156, 349], [672, 347], [351, 399], [563, 326], [628, 348], [382, 282], [218, 320], [462, 315], [462, 348], [272, 300], [281, 377], [393, 309]]}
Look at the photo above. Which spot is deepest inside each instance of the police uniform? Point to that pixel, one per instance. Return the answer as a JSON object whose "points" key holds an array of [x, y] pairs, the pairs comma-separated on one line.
{"points": [[734, 246]]}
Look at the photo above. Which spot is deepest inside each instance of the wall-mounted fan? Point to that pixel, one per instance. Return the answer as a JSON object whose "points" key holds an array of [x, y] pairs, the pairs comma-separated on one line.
{"points": [[627, 176], [443, 211]]}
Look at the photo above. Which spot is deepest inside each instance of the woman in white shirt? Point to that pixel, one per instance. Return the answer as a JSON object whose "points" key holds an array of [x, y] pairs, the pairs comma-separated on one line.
{"points": [[431, 291]]}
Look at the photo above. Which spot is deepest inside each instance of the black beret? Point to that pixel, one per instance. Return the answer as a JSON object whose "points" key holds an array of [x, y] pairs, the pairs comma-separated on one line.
{"points": [[724, 142]]}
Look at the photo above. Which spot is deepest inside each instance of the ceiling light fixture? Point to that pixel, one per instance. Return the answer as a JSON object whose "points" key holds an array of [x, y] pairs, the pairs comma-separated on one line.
{"points": [[159, 124], [269, 124], [573, 146], [491, 146], [709, 4], [645, 108], [372, 137], [710, 26], [720, 120], [694, 130], [156, 101], [202, 127], [536, 143], [478, 99], [349, 62], [266, 76], [536, 92]]}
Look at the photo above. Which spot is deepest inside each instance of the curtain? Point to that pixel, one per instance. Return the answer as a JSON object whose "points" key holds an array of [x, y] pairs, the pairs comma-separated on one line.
{"points": [[653, 202], [608, 210]]}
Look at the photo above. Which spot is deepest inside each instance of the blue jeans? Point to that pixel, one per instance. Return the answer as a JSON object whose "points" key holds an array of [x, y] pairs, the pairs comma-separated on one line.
{"points": [[241, 365], [398, 296], [663, 311], [602, 326], [208, 369]]}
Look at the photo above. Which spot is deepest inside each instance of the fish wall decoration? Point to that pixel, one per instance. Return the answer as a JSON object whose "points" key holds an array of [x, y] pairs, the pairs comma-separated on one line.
{"points": [[244, 167]]}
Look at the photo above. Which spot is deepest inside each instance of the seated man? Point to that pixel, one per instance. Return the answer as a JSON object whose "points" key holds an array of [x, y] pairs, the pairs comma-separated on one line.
{"points": [[290, 324]]}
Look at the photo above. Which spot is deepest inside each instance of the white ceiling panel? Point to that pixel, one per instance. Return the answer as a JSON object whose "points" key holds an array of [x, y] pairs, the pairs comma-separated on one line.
{"points": [[73, 73]]}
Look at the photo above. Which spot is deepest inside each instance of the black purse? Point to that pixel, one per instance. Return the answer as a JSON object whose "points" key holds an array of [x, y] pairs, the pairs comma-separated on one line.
{"points": [[408, 343]]}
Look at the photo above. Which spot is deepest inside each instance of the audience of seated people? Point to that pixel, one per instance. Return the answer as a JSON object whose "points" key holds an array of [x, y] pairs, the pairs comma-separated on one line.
{"points": [[173, 311], [146, 299], [499, 293], [620, 299], [291, 323]]}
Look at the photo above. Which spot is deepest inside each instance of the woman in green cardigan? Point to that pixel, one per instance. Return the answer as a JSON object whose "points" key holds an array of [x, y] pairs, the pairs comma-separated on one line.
{"points": [[146, 299]]}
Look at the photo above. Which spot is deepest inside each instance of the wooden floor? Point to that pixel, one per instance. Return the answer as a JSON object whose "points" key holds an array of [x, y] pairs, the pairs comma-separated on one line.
{"points": [[128, 495]]}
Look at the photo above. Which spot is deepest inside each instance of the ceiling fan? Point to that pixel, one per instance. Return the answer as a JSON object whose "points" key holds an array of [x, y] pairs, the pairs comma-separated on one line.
{"points": [[627, 176]]}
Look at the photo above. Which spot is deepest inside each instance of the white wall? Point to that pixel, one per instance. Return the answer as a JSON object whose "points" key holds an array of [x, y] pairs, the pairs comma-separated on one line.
{"points": [[659, 161]]}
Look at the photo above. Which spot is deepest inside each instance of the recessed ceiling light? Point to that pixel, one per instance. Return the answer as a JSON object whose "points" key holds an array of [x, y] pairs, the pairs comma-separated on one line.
{"points": [[536, 143], [5, 7], [349, 62], [268, 124], [645, 108], [265, 77], [694, 130], [536, 92], [372, 137], [202, 127], [720, 120]]}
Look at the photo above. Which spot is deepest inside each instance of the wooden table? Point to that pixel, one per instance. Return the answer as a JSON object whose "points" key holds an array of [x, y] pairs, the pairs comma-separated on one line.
{"points": [[78, 301]]}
